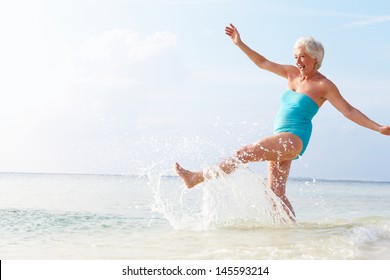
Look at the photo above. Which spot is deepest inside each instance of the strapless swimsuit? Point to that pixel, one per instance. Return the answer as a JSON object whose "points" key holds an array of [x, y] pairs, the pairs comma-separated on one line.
{"points": [[294, 116]]}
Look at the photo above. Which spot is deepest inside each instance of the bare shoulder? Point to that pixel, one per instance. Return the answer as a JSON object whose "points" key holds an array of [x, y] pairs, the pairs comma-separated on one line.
{"points": [[331, 93], [328, 88]]}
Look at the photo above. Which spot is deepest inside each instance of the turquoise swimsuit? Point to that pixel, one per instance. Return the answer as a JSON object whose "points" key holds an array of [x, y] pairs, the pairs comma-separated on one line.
{"points": [[295, 115]]}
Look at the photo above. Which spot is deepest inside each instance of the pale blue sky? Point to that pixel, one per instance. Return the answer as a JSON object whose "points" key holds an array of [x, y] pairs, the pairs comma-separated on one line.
{"points": [[130, 86]]}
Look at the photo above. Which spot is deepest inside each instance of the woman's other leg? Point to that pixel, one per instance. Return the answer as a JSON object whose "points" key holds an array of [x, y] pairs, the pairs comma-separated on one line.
{"points": [[278, 172]]}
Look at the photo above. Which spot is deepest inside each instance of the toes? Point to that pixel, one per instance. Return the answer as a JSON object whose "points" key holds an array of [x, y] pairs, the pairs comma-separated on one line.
{"points": [[180, 170], [178, 167]]}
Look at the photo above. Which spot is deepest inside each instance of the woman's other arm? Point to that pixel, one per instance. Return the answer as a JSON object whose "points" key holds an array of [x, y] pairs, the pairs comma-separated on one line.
{"points": [[334, 97]]}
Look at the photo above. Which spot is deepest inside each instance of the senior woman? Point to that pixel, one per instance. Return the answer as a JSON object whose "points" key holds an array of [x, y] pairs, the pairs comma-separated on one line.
{"points": [[307, 90]]}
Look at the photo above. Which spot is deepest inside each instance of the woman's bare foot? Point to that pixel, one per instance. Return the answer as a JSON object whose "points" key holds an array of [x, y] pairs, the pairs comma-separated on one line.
{"points": [[191, 179]]}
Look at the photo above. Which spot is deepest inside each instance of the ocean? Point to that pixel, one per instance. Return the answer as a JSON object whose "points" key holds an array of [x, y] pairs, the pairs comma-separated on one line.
{"points": [[154, 217]]}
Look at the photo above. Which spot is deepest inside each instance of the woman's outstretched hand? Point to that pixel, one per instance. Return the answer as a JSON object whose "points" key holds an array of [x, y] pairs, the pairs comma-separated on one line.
{"points": [[385, 130], [232, 32]]}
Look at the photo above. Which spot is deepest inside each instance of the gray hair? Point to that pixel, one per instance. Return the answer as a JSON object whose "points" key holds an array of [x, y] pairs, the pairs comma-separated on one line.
{"points": [[313, 48]]}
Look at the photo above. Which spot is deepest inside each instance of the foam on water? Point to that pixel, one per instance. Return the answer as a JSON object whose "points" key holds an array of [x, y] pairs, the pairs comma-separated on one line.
{"points": [[241, 199]]}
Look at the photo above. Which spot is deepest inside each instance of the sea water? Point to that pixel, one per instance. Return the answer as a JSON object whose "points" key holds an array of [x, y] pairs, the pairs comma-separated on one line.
{"points": [[64, 216]]}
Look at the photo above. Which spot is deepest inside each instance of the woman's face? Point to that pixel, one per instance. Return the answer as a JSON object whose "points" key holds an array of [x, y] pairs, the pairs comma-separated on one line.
{"points": [[305, 63]]}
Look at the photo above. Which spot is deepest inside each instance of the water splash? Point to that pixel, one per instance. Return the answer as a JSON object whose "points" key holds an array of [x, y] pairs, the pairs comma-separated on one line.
{"points": [[241, 199]]}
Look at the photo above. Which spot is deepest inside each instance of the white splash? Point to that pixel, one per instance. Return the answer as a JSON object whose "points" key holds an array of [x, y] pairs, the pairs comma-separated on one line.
{"points": [[241, 199]]}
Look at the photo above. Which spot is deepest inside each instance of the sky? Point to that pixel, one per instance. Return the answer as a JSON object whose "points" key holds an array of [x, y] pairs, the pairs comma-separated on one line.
{"points": [[130, 87]]}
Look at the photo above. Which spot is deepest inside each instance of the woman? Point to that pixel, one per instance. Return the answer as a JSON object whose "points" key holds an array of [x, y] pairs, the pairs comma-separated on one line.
{"points": [[307, 90]]}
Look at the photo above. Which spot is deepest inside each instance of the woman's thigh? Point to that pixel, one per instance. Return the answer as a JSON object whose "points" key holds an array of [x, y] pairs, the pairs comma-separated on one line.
{"points": [[278, 147]]}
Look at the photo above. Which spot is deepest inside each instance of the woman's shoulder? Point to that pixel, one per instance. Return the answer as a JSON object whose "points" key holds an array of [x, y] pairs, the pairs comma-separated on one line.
{"points": [[327, 88], [326, 84]]}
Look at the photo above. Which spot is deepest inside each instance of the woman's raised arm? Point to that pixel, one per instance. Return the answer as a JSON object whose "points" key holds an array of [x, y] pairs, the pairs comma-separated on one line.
{"points": [[282, 70]]}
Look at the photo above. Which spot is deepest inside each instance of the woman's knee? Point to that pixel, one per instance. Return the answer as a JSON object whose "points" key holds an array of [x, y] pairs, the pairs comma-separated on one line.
{"points": [[247, 154]]}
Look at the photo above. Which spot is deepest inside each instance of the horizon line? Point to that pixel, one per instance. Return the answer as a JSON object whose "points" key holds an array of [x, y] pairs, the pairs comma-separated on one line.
{"points": [[176, 176]]}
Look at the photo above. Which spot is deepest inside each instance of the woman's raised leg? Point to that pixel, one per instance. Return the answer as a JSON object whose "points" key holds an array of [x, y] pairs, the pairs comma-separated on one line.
{"points": [[280, 147]]}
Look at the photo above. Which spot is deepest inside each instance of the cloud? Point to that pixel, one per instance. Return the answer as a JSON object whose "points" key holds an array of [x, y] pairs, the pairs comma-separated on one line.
{"points": [[113, 70], [358, 20], [366, 21], [63, 103], [126, 45], [115, 59]]}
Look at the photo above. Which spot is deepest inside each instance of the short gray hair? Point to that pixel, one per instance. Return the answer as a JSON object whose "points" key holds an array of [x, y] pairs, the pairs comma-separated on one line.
{"points": [[313, 48]]}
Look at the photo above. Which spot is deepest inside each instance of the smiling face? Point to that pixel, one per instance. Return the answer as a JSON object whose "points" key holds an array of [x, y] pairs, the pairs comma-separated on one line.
{"points": [[305, 63]]}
